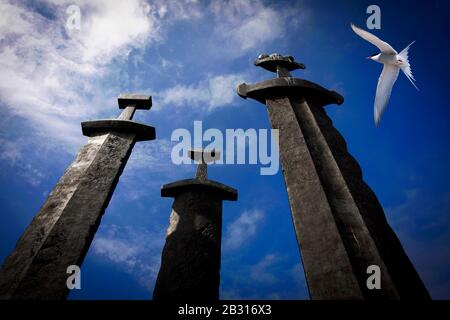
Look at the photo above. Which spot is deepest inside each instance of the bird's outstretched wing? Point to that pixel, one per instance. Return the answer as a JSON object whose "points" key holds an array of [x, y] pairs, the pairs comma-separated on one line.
{"points": [[380, 44], [384, 88]]}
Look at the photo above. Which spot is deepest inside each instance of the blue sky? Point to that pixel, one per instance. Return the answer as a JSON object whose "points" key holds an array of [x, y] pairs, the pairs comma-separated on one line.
{"points": [[190, 55]]}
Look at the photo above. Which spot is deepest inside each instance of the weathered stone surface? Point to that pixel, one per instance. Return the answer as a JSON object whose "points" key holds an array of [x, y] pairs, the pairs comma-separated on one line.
{"points": [[327, 267], [16, 265], [402, 272], [289, 87], [278, 63], [62, 231], [60, 234], [175, 188], [141, 131], [190, 264], [320, 187], [340, 225]]}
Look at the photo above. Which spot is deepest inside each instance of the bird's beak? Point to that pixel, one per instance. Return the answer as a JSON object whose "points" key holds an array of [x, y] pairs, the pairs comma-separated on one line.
{"points": [[368, 57]]}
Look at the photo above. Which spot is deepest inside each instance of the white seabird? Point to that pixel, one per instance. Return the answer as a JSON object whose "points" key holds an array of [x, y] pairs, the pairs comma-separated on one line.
{"points": [[393, 62]]}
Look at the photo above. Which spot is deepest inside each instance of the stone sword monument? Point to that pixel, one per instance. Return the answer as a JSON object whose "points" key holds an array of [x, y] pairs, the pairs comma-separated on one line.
{"points": [[340, 226], [190, 263], [62, 231]]}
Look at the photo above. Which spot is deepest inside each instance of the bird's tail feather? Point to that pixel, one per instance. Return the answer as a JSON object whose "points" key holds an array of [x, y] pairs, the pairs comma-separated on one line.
{"points": [[405, 66]]}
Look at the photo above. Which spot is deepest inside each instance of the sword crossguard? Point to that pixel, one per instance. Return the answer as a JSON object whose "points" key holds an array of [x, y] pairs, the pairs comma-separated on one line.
{"points": [[129, 103], [278, 63]]}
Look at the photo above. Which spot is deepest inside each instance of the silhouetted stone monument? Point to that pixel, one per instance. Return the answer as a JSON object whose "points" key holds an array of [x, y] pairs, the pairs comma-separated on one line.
{"points": [[62, 231], [190, 263], [340, 226]]}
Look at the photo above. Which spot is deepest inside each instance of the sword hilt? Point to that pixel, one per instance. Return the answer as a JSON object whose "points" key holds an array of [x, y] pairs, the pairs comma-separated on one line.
{"points": [[282, 65], [131, 102], [203, 157]]}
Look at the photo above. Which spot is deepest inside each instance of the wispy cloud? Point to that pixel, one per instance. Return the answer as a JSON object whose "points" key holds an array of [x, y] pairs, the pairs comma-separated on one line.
{"points": [[207, 95], [269, 278], [52, 78], [15, 155], [242, 229], [263, 270], [152, 159], [248, 25], [136, 251]]}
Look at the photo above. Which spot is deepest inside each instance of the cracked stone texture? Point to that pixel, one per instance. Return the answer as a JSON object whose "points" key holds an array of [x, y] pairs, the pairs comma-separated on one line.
{"points": [[348, 174], [340, 225], [190, 263], [62, 231], [327, 266]]}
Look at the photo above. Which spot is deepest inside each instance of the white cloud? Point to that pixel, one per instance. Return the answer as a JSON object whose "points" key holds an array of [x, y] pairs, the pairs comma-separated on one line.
{"points": [[117, 251], [243, 228], [268, 278], [245, 25], [263, 271], [154, 155], [263, 27], [101, 37], [52, 79], [179, 9], [136, 251], [215, 92], [12, 153], [152, 158]]}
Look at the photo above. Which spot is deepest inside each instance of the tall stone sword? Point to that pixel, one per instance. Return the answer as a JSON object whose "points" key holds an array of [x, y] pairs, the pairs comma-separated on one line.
{"points": [[62, 231], [340, 226], [190, 263]]}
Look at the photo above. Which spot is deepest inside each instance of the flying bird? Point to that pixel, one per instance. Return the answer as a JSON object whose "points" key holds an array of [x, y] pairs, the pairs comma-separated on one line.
{"points": [[393, 62]]}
